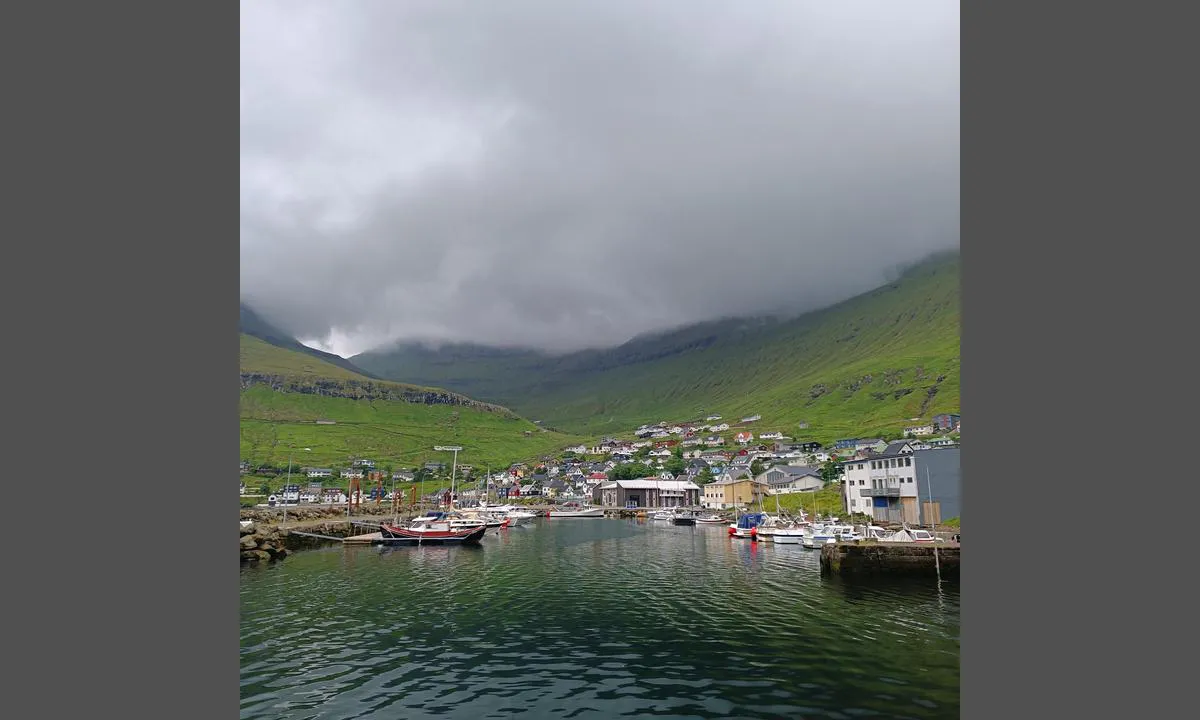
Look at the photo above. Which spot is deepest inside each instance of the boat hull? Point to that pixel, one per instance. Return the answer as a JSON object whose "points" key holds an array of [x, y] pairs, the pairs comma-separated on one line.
{"points": [[580, 514], [683, 521], [392, 535]]}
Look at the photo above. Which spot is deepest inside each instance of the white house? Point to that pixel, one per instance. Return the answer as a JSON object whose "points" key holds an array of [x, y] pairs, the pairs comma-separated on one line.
{"points": [[352, 473], [710, 418], [919, 430], [771, 436], [320, 472], [714, 440], [661, 452], [752, 418], [743, 437], [577, 449], [720, 428], [883, 487]]}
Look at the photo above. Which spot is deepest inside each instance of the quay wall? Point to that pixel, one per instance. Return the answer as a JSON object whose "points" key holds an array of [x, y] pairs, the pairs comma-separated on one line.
{"points": [[872, 558]]}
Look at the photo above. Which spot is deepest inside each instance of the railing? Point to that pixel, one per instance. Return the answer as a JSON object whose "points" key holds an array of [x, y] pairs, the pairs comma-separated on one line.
{"points": [[879, 492]]}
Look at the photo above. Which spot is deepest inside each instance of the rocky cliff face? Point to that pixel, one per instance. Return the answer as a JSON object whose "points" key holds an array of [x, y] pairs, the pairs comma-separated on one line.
{"points": [[367, 390]]}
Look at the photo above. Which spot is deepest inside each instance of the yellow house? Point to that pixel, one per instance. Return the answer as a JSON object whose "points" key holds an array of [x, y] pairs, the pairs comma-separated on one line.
{"points": [[733, 490]]}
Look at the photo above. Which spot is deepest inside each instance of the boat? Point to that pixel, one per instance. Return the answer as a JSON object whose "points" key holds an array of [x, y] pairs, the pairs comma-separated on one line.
{"points": [[747, 525], [788, 535], [435, 532], [575, 511], [906, 534], [817, 535], [684, 518], [710, 520], [520, 517], [662, 515]]}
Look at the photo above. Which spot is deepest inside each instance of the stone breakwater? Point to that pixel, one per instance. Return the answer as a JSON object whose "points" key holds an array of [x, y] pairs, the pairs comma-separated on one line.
{"points": [[264, 539]]}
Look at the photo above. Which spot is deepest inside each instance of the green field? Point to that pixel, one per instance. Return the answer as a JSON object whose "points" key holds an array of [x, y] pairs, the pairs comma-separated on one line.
{"points": [[865, 366], [390, 432]]}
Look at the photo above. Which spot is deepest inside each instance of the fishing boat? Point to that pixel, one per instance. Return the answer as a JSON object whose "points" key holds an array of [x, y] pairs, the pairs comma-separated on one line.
{"points": [[684, 518], [433, 531], [791, 535], [747, 525], [710, 520], [575, 511]]}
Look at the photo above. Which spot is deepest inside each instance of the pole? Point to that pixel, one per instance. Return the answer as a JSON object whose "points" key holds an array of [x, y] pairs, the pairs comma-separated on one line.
{"points": [[289, 484], [936, 562]]}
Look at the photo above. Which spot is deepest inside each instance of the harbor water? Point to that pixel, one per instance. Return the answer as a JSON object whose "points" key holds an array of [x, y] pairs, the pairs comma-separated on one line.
{"points": [[591, 618]]}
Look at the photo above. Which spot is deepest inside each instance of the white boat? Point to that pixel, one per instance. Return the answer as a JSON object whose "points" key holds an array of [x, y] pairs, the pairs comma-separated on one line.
{"points": [[818, 535], [520, 517], [788, 536], [662, 515], [575, 512], [710, 520], [907, 534]]}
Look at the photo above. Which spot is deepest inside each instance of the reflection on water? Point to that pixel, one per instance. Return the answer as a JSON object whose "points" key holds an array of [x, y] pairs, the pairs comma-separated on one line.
{"points": [[591, 618]]}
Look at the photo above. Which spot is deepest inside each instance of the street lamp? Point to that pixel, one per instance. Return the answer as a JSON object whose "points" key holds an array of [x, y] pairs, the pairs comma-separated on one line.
{"points": [[453, 468], [291, 450]]}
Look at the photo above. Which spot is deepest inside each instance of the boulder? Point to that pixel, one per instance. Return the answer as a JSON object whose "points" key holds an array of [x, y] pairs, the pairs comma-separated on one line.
{"points": [[249, 542]]}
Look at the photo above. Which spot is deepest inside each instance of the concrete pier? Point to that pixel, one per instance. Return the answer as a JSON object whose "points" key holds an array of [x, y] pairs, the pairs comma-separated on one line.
{"points": [[894, 559]]}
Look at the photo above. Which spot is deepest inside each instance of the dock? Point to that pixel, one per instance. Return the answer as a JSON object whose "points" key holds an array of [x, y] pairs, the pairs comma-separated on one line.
{"points": [[893, 559]]}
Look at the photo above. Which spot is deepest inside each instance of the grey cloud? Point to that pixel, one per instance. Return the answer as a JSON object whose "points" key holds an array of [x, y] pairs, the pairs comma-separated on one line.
{"points": [[562, 175]]}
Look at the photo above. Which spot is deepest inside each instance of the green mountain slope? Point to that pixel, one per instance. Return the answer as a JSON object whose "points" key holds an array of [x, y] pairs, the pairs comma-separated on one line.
{"points": [[252, 324], [284, 393], [866, 365]]}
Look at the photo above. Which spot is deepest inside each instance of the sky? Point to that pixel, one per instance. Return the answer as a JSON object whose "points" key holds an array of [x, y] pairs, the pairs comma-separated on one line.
{"points": [[563, 175]]}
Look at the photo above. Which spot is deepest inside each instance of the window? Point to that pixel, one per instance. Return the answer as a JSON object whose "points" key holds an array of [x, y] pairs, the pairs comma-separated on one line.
{"points": [[907, 462]]}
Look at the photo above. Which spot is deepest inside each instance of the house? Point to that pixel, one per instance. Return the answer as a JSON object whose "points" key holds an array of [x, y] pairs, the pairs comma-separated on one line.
{"points": [[875, 444], [720, 428], [733, 489], [714, 440], [882, 486], [751, 418], [899, 447], [352, 473], [692, 442], [743, 437], [649, 493], [945, 422], [919, 430], [364, 463], [661, 452], [770, 435], [941, 442], [402, 476], [845, 444], [555, 488], [435, 466], [577, 449], [319, 473], [245, 467], [785, 479]]}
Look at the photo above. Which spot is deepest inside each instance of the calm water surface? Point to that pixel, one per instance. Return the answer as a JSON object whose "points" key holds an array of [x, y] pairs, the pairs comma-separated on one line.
{"points": [[591, 619]]}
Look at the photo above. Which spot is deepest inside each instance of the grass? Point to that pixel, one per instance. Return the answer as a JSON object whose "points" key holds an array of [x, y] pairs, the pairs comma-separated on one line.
{"points": [[862, 367], [824, 501], [390, 432]]}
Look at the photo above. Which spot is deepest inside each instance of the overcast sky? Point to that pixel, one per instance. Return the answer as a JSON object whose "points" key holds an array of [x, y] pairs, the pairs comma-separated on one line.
{"points": [[567, 174]]}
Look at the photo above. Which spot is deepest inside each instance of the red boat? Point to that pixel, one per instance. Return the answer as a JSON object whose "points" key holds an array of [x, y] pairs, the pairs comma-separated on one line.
{"points": [[431, 530]]}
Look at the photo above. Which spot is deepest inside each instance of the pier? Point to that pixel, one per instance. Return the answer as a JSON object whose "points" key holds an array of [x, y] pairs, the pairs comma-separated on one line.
{"points": [[864, 559]]}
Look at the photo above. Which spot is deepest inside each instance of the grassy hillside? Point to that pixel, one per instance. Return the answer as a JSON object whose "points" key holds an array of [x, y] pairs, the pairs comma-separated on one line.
{"points": [[284, 393], [252, 324], [865, 365]]}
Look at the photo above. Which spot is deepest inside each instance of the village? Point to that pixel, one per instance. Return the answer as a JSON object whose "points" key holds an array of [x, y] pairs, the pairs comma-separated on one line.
{"points": [[712, 465]]}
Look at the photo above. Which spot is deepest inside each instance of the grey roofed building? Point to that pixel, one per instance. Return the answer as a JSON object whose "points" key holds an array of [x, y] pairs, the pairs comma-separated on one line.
{"points": [[898, 448]]}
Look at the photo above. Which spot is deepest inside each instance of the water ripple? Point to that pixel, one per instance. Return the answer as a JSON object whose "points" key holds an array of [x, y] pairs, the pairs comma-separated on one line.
{"points": [[590, 619]]}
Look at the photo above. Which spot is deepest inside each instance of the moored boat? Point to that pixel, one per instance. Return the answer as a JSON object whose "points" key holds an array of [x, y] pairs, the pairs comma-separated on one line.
{"points": [[747, 525], [431, 533], [710, 520], [575, 511], [684, 518]]}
